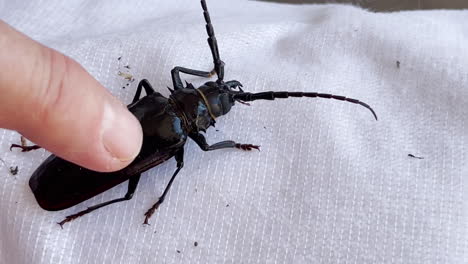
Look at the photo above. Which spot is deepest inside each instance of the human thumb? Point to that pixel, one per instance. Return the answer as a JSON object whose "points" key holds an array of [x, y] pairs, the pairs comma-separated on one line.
{"points": [[50, 99]]}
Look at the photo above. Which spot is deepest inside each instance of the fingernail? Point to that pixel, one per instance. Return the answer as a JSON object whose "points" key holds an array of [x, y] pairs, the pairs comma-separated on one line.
{"points": [[121, 136]]}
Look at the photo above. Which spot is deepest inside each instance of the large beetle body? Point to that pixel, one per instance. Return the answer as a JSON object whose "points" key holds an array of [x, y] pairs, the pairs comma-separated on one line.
{"points": [[166, 123]]}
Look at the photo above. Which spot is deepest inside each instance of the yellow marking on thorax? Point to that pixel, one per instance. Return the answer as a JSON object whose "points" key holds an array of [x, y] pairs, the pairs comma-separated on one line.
{"points": [[206, 103]]}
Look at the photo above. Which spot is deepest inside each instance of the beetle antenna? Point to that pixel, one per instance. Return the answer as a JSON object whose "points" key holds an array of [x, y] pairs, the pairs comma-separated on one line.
{"points": [[247, 97], [218, 63]]}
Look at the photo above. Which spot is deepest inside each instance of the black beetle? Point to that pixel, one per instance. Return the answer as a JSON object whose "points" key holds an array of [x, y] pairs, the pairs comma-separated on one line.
{"points": [[167, 123]]}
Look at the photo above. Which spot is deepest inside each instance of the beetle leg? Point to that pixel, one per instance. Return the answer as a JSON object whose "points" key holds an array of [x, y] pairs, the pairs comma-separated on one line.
{"points": [[175, 73], [201, 142], [24, 148], [132, 185], [148, 89], [179, 156]]}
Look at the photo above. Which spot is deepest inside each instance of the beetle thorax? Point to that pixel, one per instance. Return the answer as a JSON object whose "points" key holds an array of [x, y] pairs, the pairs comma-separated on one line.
{"points": [[194, 108]]}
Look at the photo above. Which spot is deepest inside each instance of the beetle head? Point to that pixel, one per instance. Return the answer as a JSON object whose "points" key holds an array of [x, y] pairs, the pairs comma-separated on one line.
{"points": [[220, 96]]}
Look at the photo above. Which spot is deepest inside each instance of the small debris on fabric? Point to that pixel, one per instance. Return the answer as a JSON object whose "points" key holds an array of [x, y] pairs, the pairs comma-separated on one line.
{"points": [[126, 76], [195, 244], [398, 64], [14, 170]]}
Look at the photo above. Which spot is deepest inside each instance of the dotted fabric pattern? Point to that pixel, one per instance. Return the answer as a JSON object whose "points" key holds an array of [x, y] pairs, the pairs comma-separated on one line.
{"points": [[330, 184]]}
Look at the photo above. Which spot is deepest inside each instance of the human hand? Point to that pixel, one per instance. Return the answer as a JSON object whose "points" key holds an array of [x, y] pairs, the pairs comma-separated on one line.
{"points": [[50, 99]]}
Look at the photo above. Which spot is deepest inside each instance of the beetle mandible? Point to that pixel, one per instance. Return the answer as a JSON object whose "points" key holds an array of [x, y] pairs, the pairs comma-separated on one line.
{"points": [[167, 123]]}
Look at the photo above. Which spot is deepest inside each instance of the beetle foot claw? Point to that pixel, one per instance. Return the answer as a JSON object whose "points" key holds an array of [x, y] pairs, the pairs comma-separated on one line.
{"points": [[74, 216], [247, 147], [66, 220], [151, 211]]}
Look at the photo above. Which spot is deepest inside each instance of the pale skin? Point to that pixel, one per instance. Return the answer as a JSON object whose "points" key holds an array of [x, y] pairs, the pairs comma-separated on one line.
{"points": [[51, 100]]}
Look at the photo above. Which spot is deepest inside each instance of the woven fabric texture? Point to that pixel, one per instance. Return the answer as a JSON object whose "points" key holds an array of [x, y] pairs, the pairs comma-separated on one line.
{"points": [[330, 184]]}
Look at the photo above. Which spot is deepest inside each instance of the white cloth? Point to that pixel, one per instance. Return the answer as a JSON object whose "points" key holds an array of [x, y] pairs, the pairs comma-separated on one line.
{"points": [[330, 185]]}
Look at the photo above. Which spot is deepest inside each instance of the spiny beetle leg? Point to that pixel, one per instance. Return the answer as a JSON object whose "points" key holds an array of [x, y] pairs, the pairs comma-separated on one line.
{"points": [[179, 156], [201, 142], [24, 148], [132, 185], [175, 73], [143, 84], [72, 217]]}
